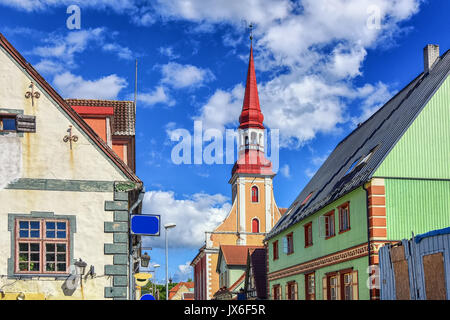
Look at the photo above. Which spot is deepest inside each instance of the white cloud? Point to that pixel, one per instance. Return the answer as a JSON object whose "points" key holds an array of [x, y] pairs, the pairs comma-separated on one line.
{"points": [[122, 52], [60, 50], [183, 76], [72, 86], [183, 273], [42, 5], [168, 51], [222, 108], [315, 53], [193, 216], [158, 95], [285, 171]]}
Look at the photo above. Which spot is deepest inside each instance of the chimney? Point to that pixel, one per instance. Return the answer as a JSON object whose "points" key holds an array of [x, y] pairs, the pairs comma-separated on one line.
{"points": [[430, 55]]}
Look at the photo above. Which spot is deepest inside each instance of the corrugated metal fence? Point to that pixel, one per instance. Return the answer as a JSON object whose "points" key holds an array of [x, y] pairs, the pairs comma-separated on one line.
{"points": [[416, 269]]}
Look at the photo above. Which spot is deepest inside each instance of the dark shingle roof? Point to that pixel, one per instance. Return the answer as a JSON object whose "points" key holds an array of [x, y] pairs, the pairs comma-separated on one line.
{"points": [[381, 131], [124, 114]]}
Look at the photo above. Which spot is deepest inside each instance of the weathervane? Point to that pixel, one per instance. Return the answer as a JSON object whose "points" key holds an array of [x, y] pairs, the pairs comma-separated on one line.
{"points": [[251, 31], [31, 94]]}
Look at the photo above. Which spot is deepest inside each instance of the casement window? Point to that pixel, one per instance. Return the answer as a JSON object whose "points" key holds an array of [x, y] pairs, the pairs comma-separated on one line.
{"points": [[276, 290], [308, 234], [291, 290], [333, 287], [347, 286], [328, 221], [340, 285], [255, 225], [310, 286], [344, 217], [10, 122], [223, 279], [255, 195], [275, 250], [288, 243], [42, 246]]}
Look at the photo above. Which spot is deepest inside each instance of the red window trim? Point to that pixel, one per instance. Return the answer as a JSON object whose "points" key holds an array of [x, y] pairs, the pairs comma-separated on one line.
{"points": [[291, 289], [275, 250], [329, 214], [277, 290], [42, 240], [307, 295], [346, 204], [253, 195], [290, 248], [308, 242], [339, 274]]}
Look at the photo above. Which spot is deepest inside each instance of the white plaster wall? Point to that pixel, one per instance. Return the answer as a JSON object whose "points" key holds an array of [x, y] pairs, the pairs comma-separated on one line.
{"points": [[10, 159], [88, 241], [45, 154]]}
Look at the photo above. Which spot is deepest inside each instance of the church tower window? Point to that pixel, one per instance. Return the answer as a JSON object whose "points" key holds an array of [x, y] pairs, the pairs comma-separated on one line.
{"points": [[255, 195], [255, 225]]}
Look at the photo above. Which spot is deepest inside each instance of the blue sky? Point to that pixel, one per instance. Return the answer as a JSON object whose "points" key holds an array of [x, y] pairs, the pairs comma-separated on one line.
{"points": [[322, 67]]}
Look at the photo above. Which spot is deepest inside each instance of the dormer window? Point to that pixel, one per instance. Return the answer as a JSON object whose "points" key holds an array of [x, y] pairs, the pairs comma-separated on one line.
{"points": [[352, 166]]}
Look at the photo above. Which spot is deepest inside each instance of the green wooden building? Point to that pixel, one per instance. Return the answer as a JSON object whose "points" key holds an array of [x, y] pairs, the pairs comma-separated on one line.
{"points": [[388, 178]]}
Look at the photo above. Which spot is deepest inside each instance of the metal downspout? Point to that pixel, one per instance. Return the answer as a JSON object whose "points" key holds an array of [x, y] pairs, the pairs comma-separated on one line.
{"points": [[368, 233], [130, 247]]}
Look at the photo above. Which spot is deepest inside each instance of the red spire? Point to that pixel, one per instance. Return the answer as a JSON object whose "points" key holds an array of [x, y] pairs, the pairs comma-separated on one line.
{"points": [[251, 116]]}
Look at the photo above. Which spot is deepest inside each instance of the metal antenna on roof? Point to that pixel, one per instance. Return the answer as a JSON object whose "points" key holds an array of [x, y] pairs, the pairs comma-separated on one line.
{"points": [[135, 90]]}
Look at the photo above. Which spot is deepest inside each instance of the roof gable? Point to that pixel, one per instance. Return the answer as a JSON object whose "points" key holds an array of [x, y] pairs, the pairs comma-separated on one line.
{"points": [[379, 134], [69, 112]]}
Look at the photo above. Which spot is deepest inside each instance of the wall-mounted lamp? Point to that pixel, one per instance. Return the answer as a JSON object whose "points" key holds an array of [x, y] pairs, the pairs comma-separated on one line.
{"points": [[80, 267], [145, 259], [21, 296]]}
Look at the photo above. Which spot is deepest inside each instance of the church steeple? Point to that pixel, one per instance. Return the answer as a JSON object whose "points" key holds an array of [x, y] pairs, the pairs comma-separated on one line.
{"points": [[251, 115], [251, 130]]}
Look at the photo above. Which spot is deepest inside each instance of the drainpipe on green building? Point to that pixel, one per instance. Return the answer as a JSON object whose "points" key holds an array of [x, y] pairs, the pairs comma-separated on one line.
{"points": [[368, 232]]}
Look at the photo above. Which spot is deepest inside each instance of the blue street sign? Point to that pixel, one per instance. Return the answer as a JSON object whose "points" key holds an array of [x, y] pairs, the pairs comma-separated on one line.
{"points": [[147, 297], [145, 224]]}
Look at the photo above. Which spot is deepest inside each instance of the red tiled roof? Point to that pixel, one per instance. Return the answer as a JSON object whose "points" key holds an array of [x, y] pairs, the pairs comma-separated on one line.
{"points": [[282, 210], [235, 254], [124, 113], [178, 286]]}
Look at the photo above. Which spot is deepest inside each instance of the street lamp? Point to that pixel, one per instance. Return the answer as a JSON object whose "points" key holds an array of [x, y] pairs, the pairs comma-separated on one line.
{"points": [[167, 227], [154, 278]]}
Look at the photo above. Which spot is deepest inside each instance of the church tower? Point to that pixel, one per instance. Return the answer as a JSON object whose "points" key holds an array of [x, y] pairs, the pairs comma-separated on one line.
{"points": [[252, 173], [254, 211]]}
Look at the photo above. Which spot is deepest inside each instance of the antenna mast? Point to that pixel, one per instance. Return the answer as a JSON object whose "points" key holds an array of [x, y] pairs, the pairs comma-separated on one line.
{"points": [[135, 88]]}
